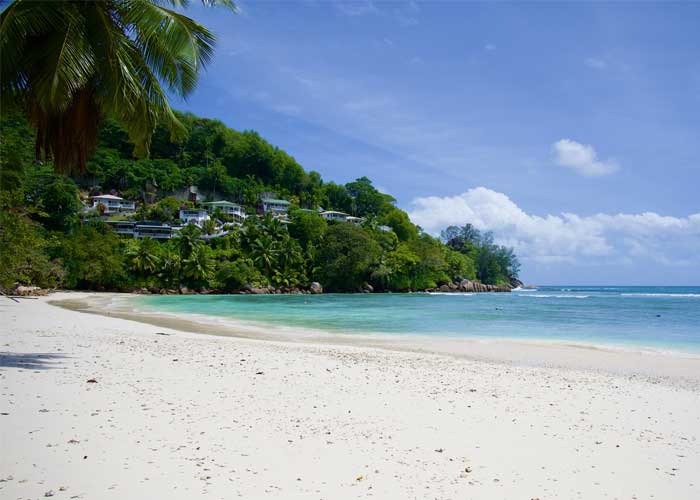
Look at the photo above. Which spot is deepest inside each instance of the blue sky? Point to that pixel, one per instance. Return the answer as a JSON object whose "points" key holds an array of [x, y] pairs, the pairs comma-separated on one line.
{"points": [[570, 130]]}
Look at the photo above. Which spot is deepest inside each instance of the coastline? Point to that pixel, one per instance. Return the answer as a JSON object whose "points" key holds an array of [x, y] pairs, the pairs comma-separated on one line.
{"points": [[616, 360], [217, 416]]}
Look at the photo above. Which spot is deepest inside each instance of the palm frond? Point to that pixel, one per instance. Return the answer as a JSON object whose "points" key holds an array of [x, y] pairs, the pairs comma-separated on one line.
{"points": [[175, 46]]}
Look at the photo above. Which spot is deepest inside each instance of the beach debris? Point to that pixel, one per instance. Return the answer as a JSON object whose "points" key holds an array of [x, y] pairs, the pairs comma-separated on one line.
{"points": [[440, 450], [360, 478], [260, 373], [49, 493], [162, 333], [73, 441], [467, 470], [92, 381]]}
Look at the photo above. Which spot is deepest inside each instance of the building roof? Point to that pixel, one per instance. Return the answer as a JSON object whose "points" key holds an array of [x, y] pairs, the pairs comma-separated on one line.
{"points": [[153, 223], [276, 202], [107, 197], [350, 217], [223, 203], [334, 212]]}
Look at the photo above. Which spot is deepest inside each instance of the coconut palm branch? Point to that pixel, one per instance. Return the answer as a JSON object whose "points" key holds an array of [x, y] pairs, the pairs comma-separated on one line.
{"points": [[70, 64]]}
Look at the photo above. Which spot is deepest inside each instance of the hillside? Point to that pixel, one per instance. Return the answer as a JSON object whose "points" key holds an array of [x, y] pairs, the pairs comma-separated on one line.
{"points": [[51, 238]]}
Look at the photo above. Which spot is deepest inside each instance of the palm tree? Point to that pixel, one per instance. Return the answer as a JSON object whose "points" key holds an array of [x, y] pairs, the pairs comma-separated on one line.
{"points": [[69, 64], [209, 226], [187, 239], [144, 255], [198, 266], [264, 252]]}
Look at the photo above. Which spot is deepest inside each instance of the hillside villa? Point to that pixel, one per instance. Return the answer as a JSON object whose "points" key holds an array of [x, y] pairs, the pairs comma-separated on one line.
{"points": [[152, 229], [340, 216], [226, 207], [112, 204], [333, 215], [194, 215], [273, 206]]}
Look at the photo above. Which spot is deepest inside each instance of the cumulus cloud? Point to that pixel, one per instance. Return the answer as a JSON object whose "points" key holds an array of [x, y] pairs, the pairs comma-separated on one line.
{"points": [[582, 158], [565, 237]]}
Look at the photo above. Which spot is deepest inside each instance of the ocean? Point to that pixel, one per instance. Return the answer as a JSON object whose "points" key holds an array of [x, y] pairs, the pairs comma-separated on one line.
{"points": [[660, 318]]}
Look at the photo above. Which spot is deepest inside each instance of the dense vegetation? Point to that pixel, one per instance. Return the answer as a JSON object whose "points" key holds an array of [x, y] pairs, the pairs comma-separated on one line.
{"points": [[47, 240]]}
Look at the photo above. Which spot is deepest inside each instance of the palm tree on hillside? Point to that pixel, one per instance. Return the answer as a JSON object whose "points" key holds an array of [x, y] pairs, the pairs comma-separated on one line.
{"points": [[69, 64]]}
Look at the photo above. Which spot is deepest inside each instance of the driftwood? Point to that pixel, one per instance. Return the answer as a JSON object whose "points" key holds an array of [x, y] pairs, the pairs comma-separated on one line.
{"points": [[9, 296]]}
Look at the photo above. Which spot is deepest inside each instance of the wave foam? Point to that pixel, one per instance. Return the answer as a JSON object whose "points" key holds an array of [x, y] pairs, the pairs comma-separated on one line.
{"points": [[694, 295]]}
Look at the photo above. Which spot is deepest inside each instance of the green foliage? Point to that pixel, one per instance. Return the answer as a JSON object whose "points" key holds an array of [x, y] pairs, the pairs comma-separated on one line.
{"points": [[224, 164], [67, 64], [54, 198], [307, 227], [347, 257], [93, 258], [234, 276], [23, 256], [399, 222], [496, 265]]}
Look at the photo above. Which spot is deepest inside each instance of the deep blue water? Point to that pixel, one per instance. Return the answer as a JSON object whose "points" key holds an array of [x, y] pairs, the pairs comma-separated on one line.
{"points": [[655, 317]]}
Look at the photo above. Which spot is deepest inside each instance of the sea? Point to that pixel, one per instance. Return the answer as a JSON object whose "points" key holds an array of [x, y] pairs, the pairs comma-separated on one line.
{"points": [[657, 318]]}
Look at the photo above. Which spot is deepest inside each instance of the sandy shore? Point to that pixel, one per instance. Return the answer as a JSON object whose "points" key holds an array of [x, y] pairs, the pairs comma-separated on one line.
{"points": [[186, 415]]}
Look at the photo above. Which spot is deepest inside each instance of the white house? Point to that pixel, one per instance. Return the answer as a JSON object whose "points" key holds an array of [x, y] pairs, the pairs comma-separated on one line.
{"points": [[354, 220], [156, 230], [152, 229], [113, 204], [227, 208], [194, 215], [276, 207], [333, 215]]}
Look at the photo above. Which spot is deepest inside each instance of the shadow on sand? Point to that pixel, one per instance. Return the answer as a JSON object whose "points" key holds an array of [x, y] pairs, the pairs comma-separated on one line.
{"points": [[31, 360]]}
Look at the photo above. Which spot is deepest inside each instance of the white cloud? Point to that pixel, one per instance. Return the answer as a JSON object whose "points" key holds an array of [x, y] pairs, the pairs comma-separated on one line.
{"points": [[595, 63], [582, 158], [565, 237], [489, 47]]}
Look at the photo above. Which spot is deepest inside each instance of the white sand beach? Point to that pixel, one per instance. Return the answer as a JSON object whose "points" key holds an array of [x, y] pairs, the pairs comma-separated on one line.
{"points": [[177, 414]]}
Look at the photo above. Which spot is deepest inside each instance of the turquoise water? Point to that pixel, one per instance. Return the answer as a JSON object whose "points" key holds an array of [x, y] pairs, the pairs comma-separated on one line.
{"points": [[655, 317]]}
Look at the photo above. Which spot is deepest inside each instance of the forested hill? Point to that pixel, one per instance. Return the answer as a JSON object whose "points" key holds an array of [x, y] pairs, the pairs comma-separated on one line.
{"points": [[48, 238]]}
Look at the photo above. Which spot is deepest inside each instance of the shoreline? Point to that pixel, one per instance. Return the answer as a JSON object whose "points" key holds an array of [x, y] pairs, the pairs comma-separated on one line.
{"points": [[613, 359], [96, 406]]}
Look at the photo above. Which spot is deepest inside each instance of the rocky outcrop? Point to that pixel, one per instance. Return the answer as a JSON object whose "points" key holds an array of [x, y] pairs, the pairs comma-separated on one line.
{"points": [[470, 287], [316, 287], [516, 283], [26, 291]]}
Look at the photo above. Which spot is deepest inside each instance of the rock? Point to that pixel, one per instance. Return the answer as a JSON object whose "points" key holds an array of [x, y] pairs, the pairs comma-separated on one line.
{"points": [[25, 291], [367, 288], [92, 381], [184, 290], [316, 287], [444, 288], [466, 286], [516, 283]]}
